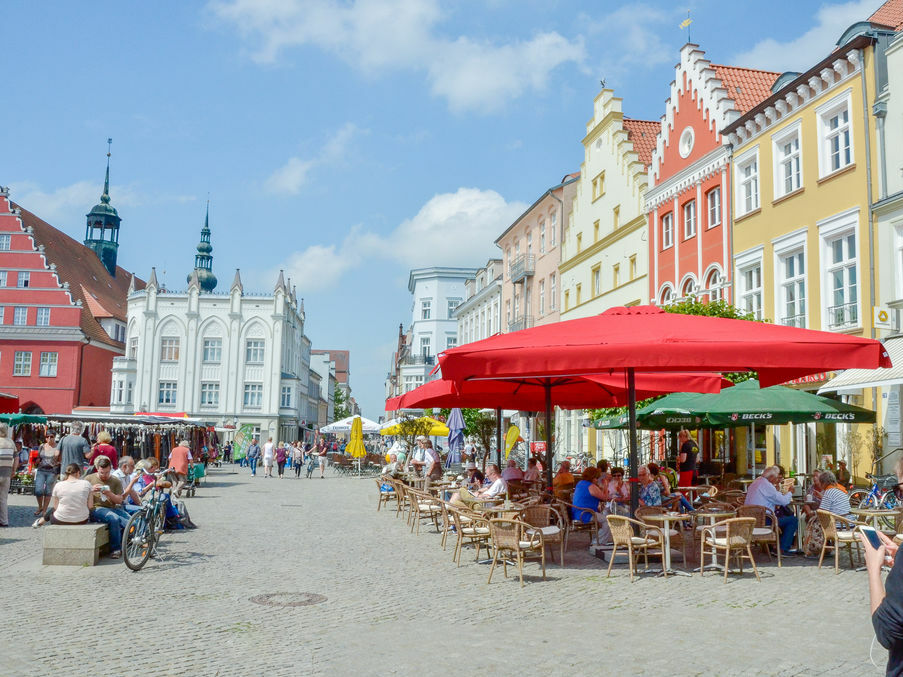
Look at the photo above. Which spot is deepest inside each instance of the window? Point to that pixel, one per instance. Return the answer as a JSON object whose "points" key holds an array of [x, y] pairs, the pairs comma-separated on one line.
{"points": [[842, 282], [597, 280], [20, 315], [529, 243], [23, 279], [213, 350], [2, 313], [253, 395], [116, 395], [542, 298], [632, 266], [793, 289], [714, 199], [169, 349], [425, 307], [254, 351], [748, 183], [552, 291], [166, 395], [451, 342], [43, 317], [48, 365], [835, 132], [5, 242], [553, 228], [667, 295], [689, 219], [788, 163], [751, 290], [2, 278], [285, 399], [667, 231], [209, 394], [599, 186], [689, 288], [452, 304], [616, 275], [22, 363], [713, 285], [542, 237], [128, 392], [133, 348], [425, 346]]}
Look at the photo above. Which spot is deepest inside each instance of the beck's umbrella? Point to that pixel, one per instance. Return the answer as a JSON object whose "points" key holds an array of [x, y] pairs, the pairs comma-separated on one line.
{"points": [[647, 339], [455, 437]]}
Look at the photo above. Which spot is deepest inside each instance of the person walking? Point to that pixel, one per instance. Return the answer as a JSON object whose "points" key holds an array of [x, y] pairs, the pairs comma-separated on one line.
{"points": [[253, 456], [310, 457], [9, 462], [321, 457], [281, 456], [73, 447], [178, 460], [47, 471], [297, 458], [268, 449]]}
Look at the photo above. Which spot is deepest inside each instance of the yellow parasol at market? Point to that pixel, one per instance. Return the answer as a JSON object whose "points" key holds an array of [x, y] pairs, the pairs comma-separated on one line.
{"points": [[437, 429], [355, 445]]}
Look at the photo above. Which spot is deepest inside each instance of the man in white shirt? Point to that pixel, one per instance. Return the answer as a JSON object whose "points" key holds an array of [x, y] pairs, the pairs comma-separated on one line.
{"points": [[512, 472], [496, 488], [419, 458], [766, 492], [432, 464]]}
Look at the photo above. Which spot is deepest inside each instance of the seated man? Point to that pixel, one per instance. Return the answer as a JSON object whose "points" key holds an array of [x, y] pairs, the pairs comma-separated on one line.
{"points": [[391, 468], [496, 488], [512, 472], [650, 490], [766, 491], [532, 474], [108, 498], [564, 482]]}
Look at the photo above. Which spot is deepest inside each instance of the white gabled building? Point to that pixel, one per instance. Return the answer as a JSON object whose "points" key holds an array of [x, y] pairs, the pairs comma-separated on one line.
{"points": [[228, 358], [480, 314]]}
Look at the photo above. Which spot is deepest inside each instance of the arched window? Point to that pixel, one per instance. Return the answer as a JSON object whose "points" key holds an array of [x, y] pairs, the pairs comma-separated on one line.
{"points": [[713, 285], [667, 296], [689, 288]]}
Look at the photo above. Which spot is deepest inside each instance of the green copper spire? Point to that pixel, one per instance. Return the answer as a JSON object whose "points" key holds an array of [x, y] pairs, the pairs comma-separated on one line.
{"points": [[203, 260], [105, 198], [102, 227]]}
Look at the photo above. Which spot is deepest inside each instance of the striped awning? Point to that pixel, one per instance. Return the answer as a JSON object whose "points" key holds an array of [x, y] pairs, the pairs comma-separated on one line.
{"points": [[856, 379]]}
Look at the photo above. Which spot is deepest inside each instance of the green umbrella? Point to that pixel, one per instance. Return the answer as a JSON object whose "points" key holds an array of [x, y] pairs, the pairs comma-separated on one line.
{"points": [[17, 419]]}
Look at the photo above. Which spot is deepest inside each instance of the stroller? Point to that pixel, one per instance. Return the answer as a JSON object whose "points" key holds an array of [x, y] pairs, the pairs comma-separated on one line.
{"points": [[311, 464], [195, 473]]}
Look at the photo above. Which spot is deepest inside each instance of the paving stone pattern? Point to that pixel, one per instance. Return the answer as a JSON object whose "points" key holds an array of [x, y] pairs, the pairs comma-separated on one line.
{"points": [[397, 605]]}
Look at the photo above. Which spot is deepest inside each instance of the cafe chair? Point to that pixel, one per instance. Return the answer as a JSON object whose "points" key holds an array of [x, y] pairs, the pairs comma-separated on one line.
{"points": [[622, 534], [840, 532], [734, 537], [517, 539], [575, 519], [553, 526], [675, 535], [423, 506], [385, 495], [471, 528], [763, 533]]}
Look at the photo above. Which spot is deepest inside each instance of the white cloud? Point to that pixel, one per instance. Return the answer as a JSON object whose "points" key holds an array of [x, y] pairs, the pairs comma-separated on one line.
{"points": [[451, 229], [378, 36], [805, 50], [293, 175], [61, 204]]}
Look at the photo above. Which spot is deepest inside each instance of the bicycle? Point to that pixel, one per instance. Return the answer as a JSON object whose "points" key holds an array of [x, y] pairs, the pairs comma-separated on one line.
{"points": [[881, 495], [144, 528]]}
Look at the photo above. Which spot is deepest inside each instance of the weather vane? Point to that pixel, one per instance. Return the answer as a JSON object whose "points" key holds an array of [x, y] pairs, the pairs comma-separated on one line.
{"points": [[686, 24]]}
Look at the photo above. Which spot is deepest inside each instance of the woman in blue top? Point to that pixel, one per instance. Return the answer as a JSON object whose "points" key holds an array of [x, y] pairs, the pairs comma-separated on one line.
{"points": [[589, 495]]}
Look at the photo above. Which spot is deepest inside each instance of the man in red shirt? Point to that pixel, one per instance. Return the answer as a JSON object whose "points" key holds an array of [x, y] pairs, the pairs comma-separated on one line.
{"points": [[178, 461]]}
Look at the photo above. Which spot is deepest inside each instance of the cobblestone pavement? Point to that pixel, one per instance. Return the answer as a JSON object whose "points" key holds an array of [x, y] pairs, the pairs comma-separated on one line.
{"points": [[396, 604]]}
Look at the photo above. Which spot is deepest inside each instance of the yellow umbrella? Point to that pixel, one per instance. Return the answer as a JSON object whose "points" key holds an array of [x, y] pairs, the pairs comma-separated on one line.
{"points": [[355, 445], [437, 428]]}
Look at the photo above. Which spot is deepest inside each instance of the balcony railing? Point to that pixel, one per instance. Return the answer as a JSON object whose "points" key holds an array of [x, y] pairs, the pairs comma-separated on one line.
{"points": [[845, 315], [418, 359], [521, 323], [522, 266], [798, 321]]}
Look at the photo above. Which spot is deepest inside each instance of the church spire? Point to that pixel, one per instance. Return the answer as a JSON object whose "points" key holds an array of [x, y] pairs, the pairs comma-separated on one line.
{"points": [[105, 198], [203, 260], [102, 228]]}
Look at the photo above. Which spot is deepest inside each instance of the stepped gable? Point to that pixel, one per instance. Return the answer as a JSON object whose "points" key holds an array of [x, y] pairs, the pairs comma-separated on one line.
{"points": [[642, 133], [88, 279], [889, 14]]}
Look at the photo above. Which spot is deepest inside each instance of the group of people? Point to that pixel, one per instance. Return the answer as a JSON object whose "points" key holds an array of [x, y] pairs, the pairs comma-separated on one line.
{"points": [[295, 455]]}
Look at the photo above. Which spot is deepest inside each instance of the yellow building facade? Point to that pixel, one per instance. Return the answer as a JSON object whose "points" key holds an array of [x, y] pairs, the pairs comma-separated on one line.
{"points": [[804, 179]]}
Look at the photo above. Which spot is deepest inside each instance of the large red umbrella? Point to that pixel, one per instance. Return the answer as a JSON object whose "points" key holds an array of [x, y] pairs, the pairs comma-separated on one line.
{"points": [[646, 338]]}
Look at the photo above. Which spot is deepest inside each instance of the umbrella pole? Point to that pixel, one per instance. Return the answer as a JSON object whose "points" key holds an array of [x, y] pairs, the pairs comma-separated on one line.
{"points": [[632, 451], [548, 387], [498, 437]]}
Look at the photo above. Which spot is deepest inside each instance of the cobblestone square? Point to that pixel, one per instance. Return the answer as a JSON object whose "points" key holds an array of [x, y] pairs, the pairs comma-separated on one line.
{"points": [[396, 604]]}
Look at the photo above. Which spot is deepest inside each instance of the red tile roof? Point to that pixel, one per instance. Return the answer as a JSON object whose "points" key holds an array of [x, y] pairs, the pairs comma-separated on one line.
{"points": [[746, 86], [889, 14], [88, 279], [642, 133]]}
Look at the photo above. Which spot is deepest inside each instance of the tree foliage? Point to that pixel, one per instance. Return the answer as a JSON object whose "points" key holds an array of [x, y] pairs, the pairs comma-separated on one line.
{"points": [[340, 405], [410, 428]]}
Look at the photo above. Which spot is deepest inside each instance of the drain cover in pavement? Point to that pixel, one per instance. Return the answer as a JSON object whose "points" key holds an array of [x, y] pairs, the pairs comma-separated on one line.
{"points": [[288, 599]]}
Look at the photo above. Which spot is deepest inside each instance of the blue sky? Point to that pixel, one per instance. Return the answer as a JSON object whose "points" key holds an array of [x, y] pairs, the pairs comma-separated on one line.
{"points": [[345, 142]]}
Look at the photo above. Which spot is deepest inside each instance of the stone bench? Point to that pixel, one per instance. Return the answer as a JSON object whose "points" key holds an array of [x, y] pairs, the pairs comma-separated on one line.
{"points": [[78, 545]]}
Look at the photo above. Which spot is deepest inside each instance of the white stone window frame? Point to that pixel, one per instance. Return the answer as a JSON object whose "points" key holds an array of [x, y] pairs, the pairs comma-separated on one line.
{"points": [[426, 341], [778, 141], [748, 261], [167, 393], [741, 162], [169, 349], [667, 242], [252, 396], [20, 316], [3, 278], [22, 363], [710, 208], [666, 294], [693, 291], [285, 397], [256, 353], [823, 114], [714, 292], [689, 212], [42, 319], [208, 389], [829, 229], [784, 246], [212, 354], [23, 279], [48, 364], [5, 242]]}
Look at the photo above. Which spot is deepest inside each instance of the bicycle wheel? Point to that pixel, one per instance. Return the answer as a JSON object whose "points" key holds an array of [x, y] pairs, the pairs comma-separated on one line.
{"points": [[137, 541], [159, 519], [889, 502], [860, 499]]}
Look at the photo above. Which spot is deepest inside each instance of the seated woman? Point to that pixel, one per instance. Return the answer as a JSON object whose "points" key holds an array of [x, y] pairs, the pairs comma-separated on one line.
{"points": [[590, 496], [532, 474], [71, 500], [650, 490], [563, 483], [618, 490], [673, 499]]}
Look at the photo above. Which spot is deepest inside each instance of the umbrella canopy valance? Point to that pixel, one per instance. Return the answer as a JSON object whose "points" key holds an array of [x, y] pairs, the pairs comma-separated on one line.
{"points": [[437, 429], [344, 425]]}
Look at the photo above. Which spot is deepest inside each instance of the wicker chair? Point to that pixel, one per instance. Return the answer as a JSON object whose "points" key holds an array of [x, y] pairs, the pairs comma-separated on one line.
{"points": [[423, 506], [623, 536], [554, 527], [763, 533], [734, 497], [385, 495], [403, 500], [518, 539], [675, 535], [471, 528], [736, 537], [447, 522], [578, 525], [842, 532]]}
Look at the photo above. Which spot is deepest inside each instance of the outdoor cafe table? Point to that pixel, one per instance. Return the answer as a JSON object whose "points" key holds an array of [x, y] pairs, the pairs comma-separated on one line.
{"points": [[508, 510], [707, 478], [874, 514], [712, 516], [745, 482], [667, 518], [797, 506]]}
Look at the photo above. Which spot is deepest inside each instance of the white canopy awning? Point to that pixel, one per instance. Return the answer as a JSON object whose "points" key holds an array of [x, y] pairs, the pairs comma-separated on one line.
{"points": [[856, 379], [344, 426]]}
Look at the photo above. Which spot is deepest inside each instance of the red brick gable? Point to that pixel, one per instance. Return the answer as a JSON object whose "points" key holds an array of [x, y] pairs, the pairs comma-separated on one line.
{"points": [[641, 134]]}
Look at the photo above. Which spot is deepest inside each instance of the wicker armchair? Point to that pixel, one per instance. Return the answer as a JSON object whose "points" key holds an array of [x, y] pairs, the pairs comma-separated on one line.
{"points": [[841, 531], [403, 500], [518, 539], [471, 528], [623, 536], [734, 497], [554, 527], [736, 537], [578, 525], [675, 535], [423, 506], [763, 533], [385, 495]]}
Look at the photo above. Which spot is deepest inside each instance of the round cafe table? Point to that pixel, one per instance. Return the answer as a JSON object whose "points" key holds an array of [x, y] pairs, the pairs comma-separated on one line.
{"points": [[706, 478], [874, 514], [797, 506], [712, 516], [745, 482], [666, 519]]}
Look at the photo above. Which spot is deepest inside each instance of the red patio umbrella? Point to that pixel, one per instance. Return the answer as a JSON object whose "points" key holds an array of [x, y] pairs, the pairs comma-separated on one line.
{"points": [[647, 339]]}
